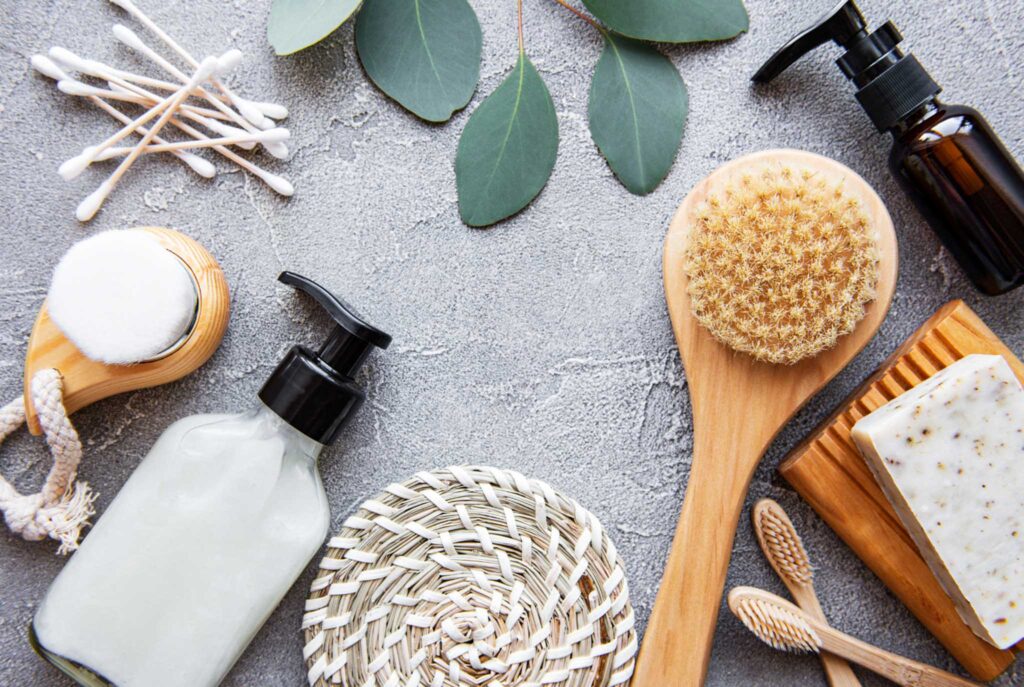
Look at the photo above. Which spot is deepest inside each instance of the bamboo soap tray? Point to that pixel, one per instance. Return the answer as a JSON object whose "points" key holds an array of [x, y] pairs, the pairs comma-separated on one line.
{"points": [[828, 471]]}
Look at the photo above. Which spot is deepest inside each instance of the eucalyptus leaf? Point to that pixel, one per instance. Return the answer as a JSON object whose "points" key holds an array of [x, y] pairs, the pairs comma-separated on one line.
{"points": [[638, 105], [672, 21], [298, 24], [423, 53], [508, 148]]}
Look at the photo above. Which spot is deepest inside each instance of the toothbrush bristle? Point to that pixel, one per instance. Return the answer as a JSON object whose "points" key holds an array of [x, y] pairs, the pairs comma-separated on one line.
{"points": [[776, 625], [783, 544]]}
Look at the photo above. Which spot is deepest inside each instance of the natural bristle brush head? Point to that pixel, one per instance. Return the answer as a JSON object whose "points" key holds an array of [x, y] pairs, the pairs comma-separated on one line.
{"points": [[122, 298], [781, 262], [776, 622], [781, 543]]}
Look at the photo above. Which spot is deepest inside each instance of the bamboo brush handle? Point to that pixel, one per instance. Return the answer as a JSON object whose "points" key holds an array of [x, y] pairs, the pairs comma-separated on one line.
{"points": [[837, 671], [679, 636], [900, 670], [794, 557]]}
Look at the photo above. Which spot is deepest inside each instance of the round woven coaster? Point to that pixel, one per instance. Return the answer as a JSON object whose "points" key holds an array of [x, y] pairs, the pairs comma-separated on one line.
{"points": [[470, 576]]}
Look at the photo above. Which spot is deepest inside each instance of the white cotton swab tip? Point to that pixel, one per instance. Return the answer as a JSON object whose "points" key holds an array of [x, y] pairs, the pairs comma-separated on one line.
{"points": [[72, 61], [88, 208], [75, 87], [229, 60], [128, 37], [271, 109], [278, 150], [200, 166], [121, 297], [73, 167], [276, 135], [47, 67], [207, 68], [278, 183], [252, 113]]}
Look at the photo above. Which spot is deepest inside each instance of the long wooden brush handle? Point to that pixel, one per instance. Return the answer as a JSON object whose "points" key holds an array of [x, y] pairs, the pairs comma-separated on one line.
{"points": [[677, 644], [837, 671], [900, 670]]}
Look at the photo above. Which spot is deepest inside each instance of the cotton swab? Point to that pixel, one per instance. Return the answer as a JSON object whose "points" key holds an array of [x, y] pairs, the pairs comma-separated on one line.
{"points": [[132, 40], [214, 125], [274, 181], [268, 136], [47, 67], [108, 73], [243, 105], [232, 57], [94, 68], [78, 88], [88, 208]]}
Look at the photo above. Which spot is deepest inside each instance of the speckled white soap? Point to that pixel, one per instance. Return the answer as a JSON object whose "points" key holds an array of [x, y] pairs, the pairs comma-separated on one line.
{"points": [[949, 455]]}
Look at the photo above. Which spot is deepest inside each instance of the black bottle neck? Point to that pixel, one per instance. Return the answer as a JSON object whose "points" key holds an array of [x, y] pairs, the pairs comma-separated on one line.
{"points": [[926, 111]]}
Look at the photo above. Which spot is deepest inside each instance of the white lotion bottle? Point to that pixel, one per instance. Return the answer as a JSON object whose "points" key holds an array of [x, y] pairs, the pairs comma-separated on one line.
{"points": [[211, 530]]}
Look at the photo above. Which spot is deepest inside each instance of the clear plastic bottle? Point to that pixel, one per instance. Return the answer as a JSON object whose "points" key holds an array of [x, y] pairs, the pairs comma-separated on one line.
{"points": [[191, 557], [211, 530]]}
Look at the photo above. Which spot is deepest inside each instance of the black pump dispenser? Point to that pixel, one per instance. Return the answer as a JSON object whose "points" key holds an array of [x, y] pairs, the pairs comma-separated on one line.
{"points": [[315, 392], [890, 85]]}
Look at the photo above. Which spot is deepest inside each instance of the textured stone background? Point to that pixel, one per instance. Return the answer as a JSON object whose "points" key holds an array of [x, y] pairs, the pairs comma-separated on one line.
{"points": [[542, 343]]}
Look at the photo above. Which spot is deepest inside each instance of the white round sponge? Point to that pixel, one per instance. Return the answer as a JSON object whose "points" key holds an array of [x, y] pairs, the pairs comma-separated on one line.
{"points": [[121, 297]]}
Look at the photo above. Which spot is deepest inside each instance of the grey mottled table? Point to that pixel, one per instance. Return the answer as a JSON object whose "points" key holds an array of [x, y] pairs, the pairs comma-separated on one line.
{"points": [[541, 344]]}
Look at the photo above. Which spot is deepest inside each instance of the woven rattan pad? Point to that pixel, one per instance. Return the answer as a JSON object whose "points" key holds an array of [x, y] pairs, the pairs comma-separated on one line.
{"points": [[470, 576]]}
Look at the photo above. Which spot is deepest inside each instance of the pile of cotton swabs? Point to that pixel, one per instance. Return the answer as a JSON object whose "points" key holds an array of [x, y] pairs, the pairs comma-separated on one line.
{"points": [[183, 100]]}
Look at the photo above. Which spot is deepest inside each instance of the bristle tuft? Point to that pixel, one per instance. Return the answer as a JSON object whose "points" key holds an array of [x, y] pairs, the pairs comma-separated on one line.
{"points": [[783, 544], [781, 264], [777, 626]]}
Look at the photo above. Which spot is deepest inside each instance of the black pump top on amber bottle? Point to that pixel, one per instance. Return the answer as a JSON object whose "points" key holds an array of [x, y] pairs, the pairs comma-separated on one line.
{"points": [[315, 392], [890, 85]]}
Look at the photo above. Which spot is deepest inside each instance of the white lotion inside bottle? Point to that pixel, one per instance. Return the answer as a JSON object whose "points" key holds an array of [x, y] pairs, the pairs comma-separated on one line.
{"points": [[192, 556]]}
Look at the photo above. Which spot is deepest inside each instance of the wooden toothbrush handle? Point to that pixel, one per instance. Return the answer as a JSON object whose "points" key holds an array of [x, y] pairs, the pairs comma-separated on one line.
{"points": [[838, 672], [902, 671], [677, 643]]}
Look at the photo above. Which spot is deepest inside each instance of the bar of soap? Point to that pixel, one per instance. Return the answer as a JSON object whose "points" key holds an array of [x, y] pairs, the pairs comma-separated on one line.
{"points": [[949, 455]]}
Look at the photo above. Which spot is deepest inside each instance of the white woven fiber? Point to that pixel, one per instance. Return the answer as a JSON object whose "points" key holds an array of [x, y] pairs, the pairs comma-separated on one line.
{"points": [[470, 576]]}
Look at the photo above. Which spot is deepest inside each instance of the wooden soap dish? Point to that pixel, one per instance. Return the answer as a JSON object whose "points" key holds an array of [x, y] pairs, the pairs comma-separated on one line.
{"points": [[87, 381], [828, 471]]}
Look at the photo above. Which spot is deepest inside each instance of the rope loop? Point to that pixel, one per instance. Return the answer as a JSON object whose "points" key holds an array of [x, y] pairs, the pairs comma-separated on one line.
{"points": [[63, 506]]}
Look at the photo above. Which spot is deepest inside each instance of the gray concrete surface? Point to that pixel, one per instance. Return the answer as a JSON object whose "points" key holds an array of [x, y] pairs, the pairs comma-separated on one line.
{"points": [[542, 343]]}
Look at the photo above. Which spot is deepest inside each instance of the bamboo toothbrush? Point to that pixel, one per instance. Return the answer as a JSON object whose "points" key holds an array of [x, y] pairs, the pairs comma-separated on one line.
{"points": [[788, 557], [783, 626]]}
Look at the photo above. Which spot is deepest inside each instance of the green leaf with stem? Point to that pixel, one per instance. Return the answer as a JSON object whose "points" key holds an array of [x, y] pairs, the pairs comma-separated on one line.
{"points": [[298, 24], [638, 106], [673, 21], [508, 148], [423, 53]]}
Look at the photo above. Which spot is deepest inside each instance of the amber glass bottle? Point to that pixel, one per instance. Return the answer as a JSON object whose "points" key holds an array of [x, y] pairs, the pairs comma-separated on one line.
{"points": [[964, 180], [946, 157]]}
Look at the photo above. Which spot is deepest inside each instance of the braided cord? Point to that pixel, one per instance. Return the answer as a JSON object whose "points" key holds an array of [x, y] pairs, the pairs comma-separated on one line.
{"points": [[62, 507]]}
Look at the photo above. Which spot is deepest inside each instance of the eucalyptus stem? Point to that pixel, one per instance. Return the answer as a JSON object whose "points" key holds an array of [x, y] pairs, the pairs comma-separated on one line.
{"points": [[522, 43], [582, 16]]}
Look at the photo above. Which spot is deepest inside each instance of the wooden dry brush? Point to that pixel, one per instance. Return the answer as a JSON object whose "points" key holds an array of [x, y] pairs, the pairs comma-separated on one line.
{"points": [[425, 54]]}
